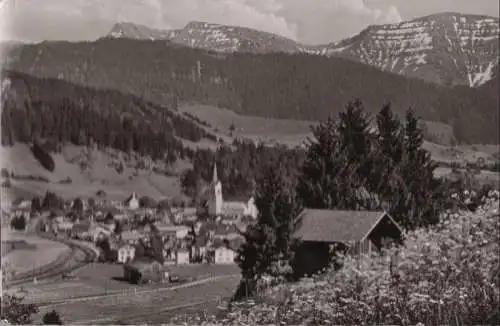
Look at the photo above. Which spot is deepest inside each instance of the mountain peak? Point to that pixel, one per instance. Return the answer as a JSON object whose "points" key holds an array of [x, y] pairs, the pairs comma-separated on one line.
{"points": [[137, 31], [448, 48]]}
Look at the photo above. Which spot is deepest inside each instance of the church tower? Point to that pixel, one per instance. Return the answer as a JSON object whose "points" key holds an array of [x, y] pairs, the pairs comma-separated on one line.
{"points": [[215, 199]]}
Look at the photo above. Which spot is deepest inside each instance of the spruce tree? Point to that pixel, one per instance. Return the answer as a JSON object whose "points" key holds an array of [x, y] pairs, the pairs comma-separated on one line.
{"points": [[338, 163], [269, 243], [425, 195], [389, 135], [387, 154], [353, 130], [318, 181]]}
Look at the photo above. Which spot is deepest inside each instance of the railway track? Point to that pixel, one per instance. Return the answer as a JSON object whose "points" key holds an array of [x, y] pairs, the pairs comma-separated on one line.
{"points": [[78, 256]]}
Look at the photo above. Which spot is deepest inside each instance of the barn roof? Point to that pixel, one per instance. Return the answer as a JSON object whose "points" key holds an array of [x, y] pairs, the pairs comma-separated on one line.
{"points": [[337, 226], [141, 264]]}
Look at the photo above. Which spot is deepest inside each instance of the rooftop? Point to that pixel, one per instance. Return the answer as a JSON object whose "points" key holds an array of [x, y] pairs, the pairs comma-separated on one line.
{"points": [[336, 226]]}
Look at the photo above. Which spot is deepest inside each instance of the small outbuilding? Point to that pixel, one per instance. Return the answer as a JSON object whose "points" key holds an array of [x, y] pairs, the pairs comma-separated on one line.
{"points": [[353, 232], [143, 270]]}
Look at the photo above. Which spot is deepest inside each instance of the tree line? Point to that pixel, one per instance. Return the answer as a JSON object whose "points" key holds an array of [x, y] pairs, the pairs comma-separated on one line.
{"points": [[347, 166], [46, 109], [239, 166], [277, 85]]}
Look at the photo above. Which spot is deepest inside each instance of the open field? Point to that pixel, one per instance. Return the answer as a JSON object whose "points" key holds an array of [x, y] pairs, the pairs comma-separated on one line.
{"points": [[85, 183], [102, 175], [146, 304], [97, 279], [257, 128], [24, 260], [294, 133]]}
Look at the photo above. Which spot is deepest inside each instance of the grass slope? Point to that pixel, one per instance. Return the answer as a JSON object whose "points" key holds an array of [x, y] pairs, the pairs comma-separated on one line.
{"points": [[85, 183], [295, 132]]}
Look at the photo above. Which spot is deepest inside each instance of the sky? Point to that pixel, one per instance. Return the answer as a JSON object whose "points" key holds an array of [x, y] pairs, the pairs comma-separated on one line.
{"points": [[306, 21]]}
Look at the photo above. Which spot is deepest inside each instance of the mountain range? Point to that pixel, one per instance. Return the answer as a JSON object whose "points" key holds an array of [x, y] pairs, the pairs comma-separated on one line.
{"points": [[272, 85], [445, 48]]}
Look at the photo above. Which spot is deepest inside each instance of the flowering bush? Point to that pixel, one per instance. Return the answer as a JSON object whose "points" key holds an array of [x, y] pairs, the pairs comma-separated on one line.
{"points": [[446, 274]]}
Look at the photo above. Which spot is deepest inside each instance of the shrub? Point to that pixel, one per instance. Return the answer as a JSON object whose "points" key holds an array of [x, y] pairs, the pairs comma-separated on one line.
{"points": [[6, 184], [52, 318], [446, 274], [15, 311], [5, 173], [18, 223], [43, 157]]}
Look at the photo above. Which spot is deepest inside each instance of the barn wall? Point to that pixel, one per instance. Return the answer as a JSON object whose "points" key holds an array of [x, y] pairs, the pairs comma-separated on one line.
{"points": [[385, 229], [311, 257], [359, 248]]}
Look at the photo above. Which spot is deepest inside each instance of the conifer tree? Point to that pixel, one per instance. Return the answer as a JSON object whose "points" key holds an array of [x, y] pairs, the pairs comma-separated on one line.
{"points": [[269, 244], [387, 154], [425, 195], [338, 163]]}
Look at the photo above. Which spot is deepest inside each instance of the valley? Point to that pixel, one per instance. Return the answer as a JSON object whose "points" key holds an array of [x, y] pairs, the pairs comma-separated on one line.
{"points": [[223, 173], [100, 172]]}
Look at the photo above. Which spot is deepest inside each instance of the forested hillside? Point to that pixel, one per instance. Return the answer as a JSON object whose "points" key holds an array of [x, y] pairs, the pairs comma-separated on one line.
{"points": [[61, 112], [297, 86]]}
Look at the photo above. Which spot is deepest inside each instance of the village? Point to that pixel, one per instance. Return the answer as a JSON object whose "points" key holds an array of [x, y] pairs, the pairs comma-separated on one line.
{"points": [[144, 239]]}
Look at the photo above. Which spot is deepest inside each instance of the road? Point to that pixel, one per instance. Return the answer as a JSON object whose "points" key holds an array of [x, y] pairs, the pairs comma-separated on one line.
{"points": [[148, 306]]}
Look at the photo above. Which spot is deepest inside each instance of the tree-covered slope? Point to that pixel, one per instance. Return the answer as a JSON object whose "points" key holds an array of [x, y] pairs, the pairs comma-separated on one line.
{"points": [[277, 85]]}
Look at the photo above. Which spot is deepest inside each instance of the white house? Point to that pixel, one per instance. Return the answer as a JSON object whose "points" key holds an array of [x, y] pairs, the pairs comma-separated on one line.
{"points": [[225, 252], [126, 253], [224, 255], [182, 257]]}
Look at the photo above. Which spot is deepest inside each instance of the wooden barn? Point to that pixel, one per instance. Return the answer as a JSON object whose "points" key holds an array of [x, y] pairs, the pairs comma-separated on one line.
{"points": [[354, 232], [141, 271]]}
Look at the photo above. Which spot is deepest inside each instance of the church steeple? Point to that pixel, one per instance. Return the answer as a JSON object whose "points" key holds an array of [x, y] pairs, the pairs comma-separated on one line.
{"points": [[215, 178], [215, 200]]}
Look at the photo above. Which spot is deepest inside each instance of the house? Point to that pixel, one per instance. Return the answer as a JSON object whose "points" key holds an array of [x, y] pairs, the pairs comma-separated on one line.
{"points": [[182, 256], [208, 229], [64, 227], [24, 204], [189, 214], [102, 212], [132, 237], [132, 202], [165, 217], [126, 253], [186, 214], [225, 252], [198, 251], [143, 270], [354, 232], [97, 232], [80, 231], [180, 231], [226, 232], [218, 207]]}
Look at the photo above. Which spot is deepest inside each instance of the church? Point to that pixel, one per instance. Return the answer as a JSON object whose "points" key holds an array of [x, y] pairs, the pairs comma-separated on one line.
{"points": [[235, 209]]}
